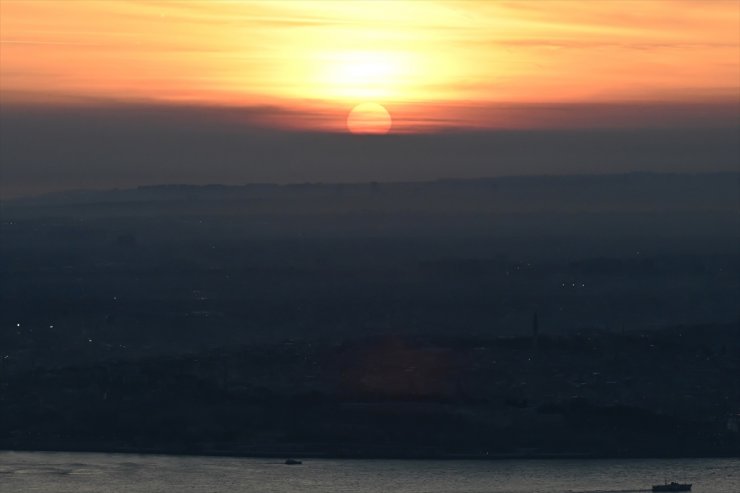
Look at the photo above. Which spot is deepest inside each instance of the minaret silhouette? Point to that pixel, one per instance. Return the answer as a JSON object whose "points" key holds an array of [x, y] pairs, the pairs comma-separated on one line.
{"points": [[535, 334]]}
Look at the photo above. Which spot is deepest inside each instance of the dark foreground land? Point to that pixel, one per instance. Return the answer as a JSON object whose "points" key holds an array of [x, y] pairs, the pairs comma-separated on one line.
{"points": [[376, 319], [664, 393]]}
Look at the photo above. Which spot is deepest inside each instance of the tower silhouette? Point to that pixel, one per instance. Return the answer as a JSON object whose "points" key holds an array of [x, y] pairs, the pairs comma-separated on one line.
{"points": [[535, 334]]}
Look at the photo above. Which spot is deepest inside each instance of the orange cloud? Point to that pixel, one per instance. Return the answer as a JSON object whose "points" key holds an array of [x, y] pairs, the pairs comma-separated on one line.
{"points": [[324, 57]]}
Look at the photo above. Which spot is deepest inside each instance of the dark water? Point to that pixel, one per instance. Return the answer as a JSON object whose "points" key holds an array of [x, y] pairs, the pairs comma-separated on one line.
{"points": [[115, 473]]}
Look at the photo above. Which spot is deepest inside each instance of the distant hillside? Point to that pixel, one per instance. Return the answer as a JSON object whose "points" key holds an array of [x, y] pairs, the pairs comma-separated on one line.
{"points": [[631, 192]]}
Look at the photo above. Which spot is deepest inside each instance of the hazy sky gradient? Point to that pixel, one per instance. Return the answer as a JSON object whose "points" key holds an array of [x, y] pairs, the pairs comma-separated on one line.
{"points": [[98, 147], [430, 60], [118, 93]]}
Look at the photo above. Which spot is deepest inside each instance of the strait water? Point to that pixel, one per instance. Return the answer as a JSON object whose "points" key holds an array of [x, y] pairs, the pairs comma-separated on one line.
{"points": [[117, 473]]}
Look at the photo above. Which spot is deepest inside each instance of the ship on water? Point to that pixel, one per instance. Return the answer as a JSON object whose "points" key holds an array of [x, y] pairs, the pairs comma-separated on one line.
{"points": [[672, 486]]}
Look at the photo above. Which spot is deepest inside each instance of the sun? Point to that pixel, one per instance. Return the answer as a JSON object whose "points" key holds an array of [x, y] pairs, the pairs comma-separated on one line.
{"points": [[369, 118]]}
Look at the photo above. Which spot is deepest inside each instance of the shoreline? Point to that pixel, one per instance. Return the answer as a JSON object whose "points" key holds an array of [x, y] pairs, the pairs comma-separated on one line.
{"points": [[283, 454]]}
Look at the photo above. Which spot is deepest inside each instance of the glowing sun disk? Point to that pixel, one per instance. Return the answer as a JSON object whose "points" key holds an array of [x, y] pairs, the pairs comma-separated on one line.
{"points": [[369, 118]]}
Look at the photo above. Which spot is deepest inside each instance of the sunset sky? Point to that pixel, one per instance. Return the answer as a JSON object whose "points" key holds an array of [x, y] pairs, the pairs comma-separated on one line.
{"points": [[436, 66]]}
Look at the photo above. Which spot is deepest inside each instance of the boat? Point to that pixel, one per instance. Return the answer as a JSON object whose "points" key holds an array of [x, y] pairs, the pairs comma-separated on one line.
{"points": [[672, 486], [296, 462]]}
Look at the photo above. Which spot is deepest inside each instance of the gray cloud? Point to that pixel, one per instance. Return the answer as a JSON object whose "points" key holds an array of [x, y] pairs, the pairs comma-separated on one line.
{"points": [[58, 148]]}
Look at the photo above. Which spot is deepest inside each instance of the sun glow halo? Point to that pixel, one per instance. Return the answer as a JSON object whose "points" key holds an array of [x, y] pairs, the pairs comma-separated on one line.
{"points": [[363, 75], [440, 64]]}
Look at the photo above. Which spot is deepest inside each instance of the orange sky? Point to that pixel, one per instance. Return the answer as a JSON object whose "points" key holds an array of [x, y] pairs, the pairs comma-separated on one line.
{"points": [[431, 63]]}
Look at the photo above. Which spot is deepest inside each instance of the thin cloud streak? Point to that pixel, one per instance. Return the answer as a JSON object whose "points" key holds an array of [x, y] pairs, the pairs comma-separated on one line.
{"points": [[333, 55], [129, 145]]}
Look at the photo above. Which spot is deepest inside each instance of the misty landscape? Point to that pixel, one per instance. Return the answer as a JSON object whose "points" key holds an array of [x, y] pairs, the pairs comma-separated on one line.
{"points": [[452, 317], [398, 246]]}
